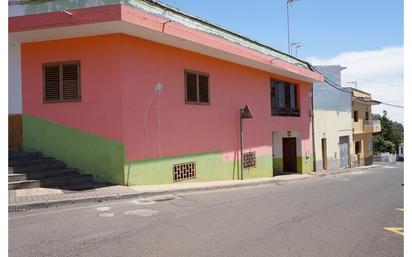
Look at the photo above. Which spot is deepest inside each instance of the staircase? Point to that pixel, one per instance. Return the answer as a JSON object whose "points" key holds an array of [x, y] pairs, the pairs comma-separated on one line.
{"points": [[28, 169]]}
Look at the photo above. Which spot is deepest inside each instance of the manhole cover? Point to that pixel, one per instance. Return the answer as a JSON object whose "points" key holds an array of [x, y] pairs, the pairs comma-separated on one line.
{"points": [[141, 212]]}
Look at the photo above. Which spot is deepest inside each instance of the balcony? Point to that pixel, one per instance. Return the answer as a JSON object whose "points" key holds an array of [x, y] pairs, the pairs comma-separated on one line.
{"points": [[372, 126]]}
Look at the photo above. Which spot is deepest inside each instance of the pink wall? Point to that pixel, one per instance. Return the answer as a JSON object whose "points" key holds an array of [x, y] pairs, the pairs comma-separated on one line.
{"points": [[99, 111], [119, 73], [184, 128]]}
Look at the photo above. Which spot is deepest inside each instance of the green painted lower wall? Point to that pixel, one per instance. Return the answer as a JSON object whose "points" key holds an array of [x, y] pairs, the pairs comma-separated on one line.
{"points": [[105, 159], [277, 166], [305, 164], [93, 154], [209, 167]]}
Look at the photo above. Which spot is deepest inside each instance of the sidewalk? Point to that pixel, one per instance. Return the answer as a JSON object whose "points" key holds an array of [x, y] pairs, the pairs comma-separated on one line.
{"points": [[34, 198]]}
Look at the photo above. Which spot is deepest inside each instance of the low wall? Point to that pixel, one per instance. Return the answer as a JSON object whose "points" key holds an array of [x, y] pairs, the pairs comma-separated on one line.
{"points": [[385, 157]]}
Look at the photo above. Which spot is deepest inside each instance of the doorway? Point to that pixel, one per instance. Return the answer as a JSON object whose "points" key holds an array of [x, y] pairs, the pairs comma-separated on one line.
{"points": [[324, 154], [289, 155], [344, 151]]}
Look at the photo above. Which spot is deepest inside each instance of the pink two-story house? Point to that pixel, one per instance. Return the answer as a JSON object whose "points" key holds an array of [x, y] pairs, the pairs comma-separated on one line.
{"points": [[136, 92]]}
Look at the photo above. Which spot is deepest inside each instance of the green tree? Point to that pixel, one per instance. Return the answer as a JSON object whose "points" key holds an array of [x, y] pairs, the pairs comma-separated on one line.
{"points": [[390, 137]]}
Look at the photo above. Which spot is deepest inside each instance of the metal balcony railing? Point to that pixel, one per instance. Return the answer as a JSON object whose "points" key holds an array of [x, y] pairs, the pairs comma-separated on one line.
{"points": [[285, 111], [371, 126]]}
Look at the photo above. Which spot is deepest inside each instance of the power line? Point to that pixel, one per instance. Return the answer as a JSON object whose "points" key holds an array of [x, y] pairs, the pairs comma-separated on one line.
{"points": [[331, 83], [370, 80], [328, 81], [392, 105]]}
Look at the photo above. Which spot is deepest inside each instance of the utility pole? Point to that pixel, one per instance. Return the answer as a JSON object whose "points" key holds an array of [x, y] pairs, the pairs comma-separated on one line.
{"points": [[287, 14]]}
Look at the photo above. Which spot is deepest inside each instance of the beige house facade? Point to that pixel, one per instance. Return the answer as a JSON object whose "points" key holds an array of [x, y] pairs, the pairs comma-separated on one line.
{"points": [[332, 121], [363, 126]]}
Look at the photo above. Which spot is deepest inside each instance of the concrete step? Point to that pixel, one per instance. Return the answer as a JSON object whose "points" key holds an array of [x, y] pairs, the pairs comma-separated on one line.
{"points": [[17, 177], [52, 173], [27, 162], [24, 184], [38, 167], [28, 169], [66, 180], [14, 155]]}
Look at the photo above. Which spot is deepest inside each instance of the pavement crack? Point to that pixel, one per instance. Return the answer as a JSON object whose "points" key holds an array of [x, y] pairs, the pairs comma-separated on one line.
{"points": [[354, 248]]}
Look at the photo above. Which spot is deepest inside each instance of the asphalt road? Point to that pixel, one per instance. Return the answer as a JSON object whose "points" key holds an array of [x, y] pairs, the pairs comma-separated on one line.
{"points": [[332, 216]]}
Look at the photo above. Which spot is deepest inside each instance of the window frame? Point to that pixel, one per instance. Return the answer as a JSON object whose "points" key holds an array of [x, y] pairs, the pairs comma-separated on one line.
{"points": [[197, 73], [287, 112], [60, 64]]}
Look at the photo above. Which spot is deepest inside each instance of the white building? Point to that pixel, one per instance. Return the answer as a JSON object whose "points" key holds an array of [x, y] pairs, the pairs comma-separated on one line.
{"points": [[332, 121]]}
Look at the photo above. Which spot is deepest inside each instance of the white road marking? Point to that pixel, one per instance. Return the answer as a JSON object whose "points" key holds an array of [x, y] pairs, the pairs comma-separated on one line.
{"points": [[69, 209], [143, 201], [106, 214], [141, 212], [103, 208]]}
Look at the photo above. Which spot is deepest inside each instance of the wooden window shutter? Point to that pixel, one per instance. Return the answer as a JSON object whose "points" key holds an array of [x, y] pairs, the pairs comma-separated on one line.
{"points": [[70, 82], [61, 82], [203, 89], [51, 83], [191, 87]]}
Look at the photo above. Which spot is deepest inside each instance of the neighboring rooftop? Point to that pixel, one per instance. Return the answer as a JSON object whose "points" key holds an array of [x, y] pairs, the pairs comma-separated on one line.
{"points": [[362, 96], [329, 94], [331, 72]]}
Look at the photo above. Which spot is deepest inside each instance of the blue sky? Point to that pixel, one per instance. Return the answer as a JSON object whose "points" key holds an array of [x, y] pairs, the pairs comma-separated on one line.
{"points": [[364, 35], [325, 28]]}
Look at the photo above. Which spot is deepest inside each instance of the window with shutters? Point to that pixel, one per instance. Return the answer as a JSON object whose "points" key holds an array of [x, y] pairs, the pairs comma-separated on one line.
{"points": [[61, 82], [196, 88], [284, 100]]}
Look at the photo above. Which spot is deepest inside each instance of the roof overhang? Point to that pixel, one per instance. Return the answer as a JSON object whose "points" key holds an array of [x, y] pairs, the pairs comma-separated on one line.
{"points": [[367, 101], [119, 18]]}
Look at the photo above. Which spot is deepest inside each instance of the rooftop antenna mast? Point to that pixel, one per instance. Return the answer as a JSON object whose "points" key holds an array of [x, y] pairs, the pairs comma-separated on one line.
{"points": [[354, 83], [287, 14]]}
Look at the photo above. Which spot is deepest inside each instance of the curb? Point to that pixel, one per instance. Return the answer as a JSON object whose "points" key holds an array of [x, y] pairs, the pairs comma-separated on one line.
{"points": [[349, 170], [55, 203]]}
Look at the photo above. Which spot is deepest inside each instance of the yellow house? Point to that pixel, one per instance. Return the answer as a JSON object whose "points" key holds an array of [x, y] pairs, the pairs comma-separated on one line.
{"points": [[363, 126]]}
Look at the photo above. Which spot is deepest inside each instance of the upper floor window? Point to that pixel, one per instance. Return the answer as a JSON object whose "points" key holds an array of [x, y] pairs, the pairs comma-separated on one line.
{"points": [[284, 99], [196, 87], [355, 116], [366, 116], [61, 82]]}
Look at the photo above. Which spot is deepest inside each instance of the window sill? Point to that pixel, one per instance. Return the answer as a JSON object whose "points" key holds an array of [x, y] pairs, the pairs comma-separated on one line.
{"points": [[197, 103]]}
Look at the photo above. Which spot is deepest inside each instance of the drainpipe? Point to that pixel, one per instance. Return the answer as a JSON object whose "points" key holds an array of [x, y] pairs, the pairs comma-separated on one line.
{"points": [[241, 145], [313, 130]]}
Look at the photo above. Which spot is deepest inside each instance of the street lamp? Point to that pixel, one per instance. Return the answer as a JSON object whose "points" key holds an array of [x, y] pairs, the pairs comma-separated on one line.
{"points": [[287, 14], [244, 114]]}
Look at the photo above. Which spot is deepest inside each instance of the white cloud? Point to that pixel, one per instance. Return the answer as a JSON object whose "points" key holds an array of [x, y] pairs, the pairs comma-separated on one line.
{"points": [[365, 67]]}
